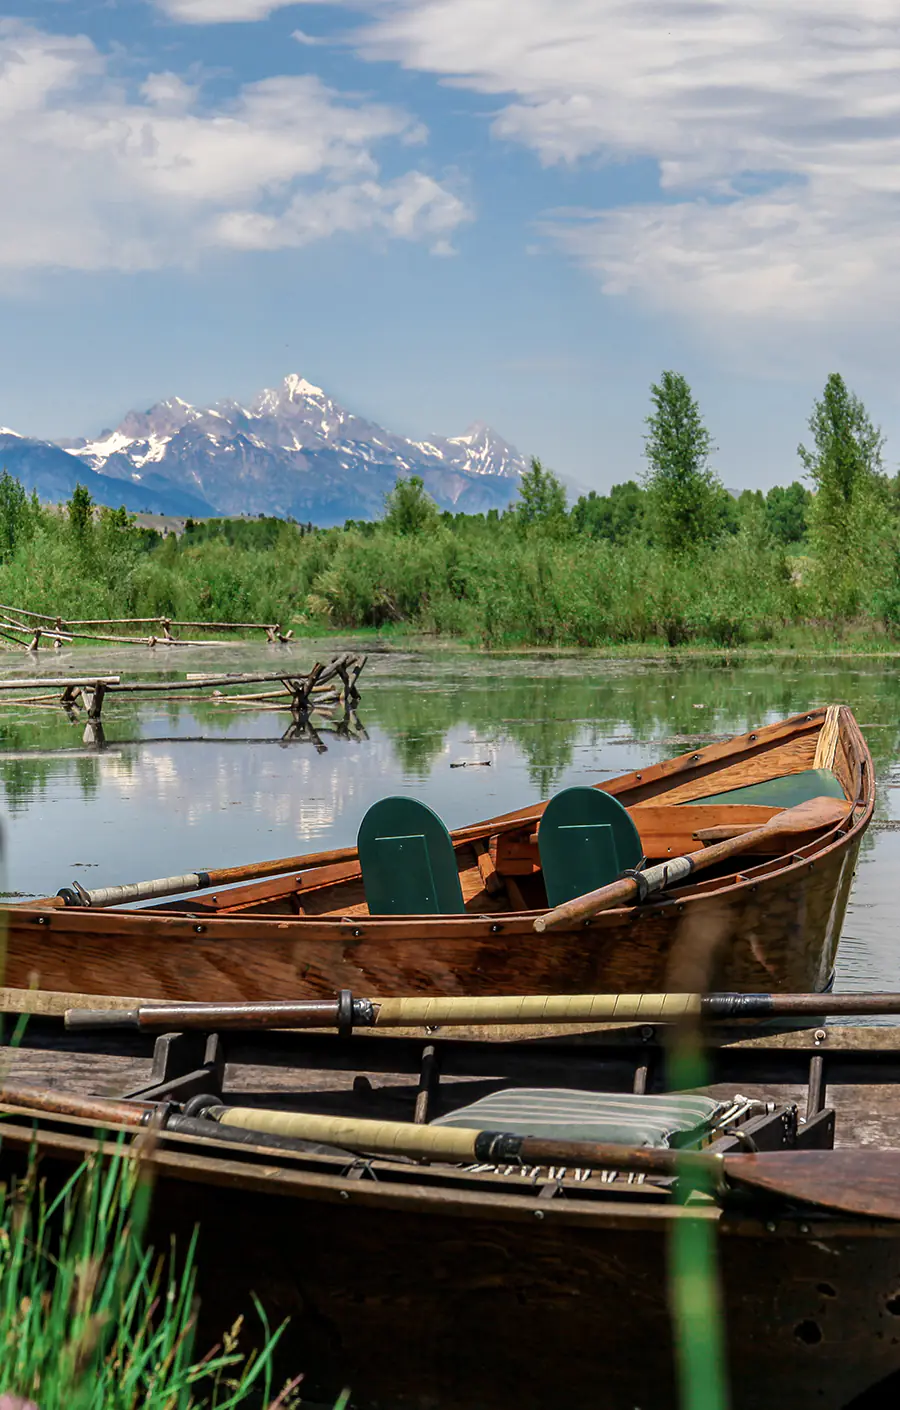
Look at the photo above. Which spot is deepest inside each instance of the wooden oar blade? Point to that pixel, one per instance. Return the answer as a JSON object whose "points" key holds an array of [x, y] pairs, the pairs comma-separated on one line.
{"points": [[799, 826], [809, 816], [864, 1183]]}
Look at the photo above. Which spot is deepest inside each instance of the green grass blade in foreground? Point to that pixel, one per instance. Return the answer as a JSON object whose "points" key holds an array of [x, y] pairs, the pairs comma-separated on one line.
{"points": [[694, 1286]]}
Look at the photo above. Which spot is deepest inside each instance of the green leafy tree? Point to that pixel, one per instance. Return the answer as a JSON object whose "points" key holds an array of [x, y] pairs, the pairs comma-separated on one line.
{"points": [[116, 521], [80, 509], [409, 508], [787, 510], [750, 502], [686, 507], [17, 516], [849, 519], [542, 499], [616, 517]]}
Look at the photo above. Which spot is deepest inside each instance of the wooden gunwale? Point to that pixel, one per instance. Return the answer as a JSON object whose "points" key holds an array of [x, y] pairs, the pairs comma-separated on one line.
{"points": [[157, 920], [841, 835]]}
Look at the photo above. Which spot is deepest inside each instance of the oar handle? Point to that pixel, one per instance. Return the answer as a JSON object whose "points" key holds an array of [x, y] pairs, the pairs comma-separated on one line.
{"points": [[103, 1110], [343, 1012], [811, 816], [617, 893], [633, 885]]}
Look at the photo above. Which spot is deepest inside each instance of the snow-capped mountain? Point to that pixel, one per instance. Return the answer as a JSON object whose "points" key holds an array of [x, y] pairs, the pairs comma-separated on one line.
{"points": [[292, 452], [45, 467]]}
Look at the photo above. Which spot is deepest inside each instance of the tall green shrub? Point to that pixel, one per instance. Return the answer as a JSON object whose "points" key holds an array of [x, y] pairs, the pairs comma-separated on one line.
{"points": [[849, 522], [685, 493]]}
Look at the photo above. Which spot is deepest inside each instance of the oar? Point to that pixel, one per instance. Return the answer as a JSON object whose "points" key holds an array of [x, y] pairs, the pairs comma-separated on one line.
{"points": [[813, 816], [420, 1012], [253, 871], [852, 1181], [860, 1183]]}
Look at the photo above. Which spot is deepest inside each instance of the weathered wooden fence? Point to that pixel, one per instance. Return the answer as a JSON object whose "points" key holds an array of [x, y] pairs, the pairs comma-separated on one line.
{"points": [[17, 624], [324, 685]]}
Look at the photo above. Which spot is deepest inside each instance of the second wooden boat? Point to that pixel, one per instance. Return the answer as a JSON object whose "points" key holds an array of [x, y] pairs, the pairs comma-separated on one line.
{"points": [[532, 1280], [763, 922]]}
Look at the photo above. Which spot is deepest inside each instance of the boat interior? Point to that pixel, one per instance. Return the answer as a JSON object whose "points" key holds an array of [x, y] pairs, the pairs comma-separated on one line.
{"points": [[811, 1088], [407, 863]]}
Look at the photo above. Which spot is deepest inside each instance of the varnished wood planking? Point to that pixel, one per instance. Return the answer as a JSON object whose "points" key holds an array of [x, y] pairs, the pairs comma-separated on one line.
{"points": [[782, 935], [792, 756]]}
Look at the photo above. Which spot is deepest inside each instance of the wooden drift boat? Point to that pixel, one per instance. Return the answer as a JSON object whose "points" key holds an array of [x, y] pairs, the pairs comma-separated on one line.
{"points": [[774, 909], [533, 1279]]}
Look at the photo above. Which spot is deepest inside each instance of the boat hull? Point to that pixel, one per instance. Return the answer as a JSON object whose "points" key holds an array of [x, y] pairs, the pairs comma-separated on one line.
{"points": [[778, 932], [417, 1300]]}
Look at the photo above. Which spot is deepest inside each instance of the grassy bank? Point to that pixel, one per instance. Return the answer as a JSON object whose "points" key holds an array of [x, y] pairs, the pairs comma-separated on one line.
{"points": [[494, 581]]}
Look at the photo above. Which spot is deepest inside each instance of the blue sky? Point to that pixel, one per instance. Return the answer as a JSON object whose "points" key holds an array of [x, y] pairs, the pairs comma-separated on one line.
{"points": [[519, 211]]}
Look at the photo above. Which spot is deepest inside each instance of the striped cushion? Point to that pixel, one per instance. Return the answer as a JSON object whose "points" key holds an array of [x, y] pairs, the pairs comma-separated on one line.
{"points": [[670, 1119]]}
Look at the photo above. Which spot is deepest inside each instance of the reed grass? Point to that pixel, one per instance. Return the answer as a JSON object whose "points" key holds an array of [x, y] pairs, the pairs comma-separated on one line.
{"points": [[92, 1319]]}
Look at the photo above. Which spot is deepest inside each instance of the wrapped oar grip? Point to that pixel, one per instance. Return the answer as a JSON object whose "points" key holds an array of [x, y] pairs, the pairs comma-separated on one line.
{"points": [[140, 890], [536, 1008], [381, 1137], [631, 886]]}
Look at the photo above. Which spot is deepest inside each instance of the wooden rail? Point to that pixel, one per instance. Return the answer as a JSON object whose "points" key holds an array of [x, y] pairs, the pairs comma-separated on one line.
{"points": [[305, 692], [60, 629]]}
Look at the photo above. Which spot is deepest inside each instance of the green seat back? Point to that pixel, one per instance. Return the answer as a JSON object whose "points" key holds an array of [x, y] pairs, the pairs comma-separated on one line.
{"points": [[407, 860], [784, 792], [586, 838]]}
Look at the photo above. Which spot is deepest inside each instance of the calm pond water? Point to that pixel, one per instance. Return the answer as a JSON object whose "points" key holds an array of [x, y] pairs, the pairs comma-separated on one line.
{"points": [[180, 786]]}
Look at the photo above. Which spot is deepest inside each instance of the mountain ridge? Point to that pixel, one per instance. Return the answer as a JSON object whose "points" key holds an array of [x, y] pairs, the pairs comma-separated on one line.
{"points": [[293, 452]]}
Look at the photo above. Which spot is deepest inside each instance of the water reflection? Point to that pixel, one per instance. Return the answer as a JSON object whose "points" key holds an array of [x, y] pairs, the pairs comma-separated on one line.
{"points": [[178, 786]]}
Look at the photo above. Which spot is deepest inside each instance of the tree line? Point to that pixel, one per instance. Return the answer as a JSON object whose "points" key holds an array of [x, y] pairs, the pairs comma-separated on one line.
{"points": [[671, 559]]}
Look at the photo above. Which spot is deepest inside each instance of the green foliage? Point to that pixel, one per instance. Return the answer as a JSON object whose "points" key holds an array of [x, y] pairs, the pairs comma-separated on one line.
{"points": [[685, 494], [90, 1319], [787, 512], [262, 533], [541, 501], [850, 520], [617, 517], [80, 509], [677, 561], [19, 516], [409, 508]]}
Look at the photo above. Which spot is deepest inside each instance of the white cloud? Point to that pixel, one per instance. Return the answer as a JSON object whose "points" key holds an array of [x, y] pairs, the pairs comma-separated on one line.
{"points": [[775, 125], [95, 177], [414, 207], [222, 11]]}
